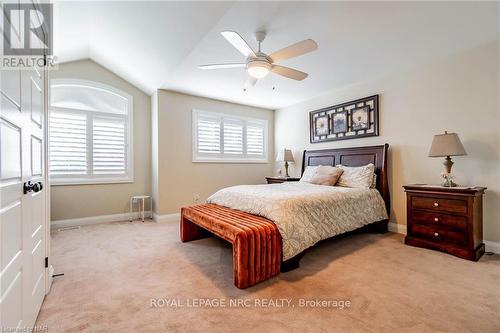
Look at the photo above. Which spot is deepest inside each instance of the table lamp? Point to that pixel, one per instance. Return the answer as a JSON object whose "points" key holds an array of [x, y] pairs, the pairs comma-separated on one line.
{"points": [[446, 145], [285, 155]]}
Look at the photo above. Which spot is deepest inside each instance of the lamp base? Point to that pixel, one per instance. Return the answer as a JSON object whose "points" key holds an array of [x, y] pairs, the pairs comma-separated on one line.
{"points": [[449, 183], [448, 163], [286, 170]]}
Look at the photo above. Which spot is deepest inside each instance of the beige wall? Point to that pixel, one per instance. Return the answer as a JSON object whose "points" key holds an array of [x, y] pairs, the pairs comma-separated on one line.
{"points": [[458, 94], [75, 201], [178, 178]]}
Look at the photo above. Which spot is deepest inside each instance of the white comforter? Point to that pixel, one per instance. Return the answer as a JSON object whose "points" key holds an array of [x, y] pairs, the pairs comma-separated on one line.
{"points": [[305, 213]]}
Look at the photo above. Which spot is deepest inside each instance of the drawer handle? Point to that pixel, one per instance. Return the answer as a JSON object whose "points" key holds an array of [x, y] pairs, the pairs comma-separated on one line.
{"points": [[436, 219], [436, 204], [436, 234]]}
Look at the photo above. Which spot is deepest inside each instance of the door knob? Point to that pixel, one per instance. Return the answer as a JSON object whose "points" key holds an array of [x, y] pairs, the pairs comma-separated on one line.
{"points": [[32, 187], [27, 187], [37, 187]]}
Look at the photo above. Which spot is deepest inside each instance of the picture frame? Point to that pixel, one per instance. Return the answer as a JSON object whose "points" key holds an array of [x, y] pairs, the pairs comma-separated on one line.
{"points": [[321, 125], [339, 122], [361, 120]]}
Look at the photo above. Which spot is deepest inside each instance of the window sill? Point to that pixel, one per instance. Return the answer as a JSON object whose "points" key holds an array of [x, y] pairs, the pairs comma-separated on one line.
{"points": [[66, 182], [230, 161]]}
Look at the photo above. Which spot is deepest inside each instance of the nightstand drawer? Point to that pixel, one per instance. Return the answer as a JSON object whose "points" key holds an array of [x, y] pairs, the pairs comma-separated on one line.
{"points": [[452, 221], [439, 204], [438, 234]]}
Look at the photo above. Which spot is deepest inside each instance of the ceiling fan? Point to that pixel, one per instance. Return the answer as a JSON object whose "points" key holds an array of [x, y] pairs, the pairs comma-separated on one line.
{"points": [[259, 64]]}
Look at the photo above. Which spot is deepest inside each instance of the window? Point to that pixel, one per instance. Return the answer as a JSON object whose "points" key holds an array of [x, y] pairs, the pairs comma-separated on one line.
{"points": [[221, 137], [89, 133]]}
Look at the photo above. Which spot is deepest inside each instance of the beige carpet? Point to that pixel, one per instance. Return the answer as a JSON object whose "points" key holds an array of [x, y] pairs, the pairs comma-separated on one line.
{"points": [[113, 271]]}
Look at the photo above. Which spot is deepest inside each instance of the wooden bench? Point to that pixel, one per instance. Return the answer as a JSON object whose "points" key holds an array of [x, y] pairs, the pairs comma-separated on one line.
{"points": [[256, 240]]}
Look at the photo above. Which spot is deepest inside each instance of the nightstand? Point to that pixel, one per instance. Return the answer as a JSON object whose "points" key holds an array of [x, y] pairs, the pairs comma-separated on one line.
{"points": [[277, 180], [448, 219]]}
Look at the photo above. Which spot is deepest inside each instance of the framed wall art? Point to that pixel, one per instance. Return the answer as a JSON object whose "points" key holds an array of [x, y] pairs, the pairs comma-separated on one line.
{"points": [[322, 125], [339, 120], [360, 118], [351, 120]]}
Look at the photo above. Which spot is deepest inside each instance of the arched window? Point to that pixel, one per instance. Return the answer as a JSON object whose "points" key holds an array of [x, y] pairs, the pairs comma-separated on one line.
{"points": [[90, 133]]}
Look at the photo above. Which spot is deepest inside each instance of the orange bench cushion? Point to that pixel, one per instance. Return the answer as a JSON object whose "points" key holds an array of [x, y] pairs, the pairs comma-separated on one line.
{"points": [[256, 240]]}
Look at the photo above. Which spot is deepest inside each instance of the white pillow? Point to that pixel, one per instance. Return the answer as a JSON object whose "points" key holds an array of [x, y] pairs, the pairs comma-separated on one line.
{"points": [[309, 173], [357, 177]]}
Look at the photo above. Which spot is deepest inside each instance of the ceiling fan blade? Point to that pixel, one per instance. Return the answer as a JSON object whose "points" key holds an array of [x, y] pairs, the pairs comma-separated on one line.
{"points": [[251, 81], [289, 72], [294, 50], [221, 66], [238, 42]]}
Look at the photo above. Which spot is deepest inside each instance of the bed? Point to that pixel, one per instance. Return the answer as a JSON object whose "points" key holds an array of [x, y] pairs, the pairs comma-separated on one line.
{"points": [[271, 226]]}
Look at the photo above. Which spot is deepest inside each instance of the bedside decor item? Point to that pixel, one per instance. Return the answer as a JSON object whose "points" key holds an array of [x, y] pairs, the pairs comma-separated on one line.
{"points": [[351, 120], [446, 219], [285, 155], [446, 145]]}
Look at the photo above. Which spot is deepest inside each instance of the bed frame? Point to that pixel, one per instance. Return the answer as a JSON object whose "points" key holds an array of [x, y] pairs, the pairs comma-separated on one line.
{"points": [[256, 240], [357, 156]]}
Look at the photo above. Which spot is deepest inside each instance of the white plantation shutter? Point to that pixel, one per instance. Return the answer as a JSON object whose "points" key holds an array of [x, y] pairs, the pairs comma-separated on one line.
{"points": [[233, 137], [109, 145], [89, 134], [208, 138], [68, 143], [255, 139], [228, 138]]}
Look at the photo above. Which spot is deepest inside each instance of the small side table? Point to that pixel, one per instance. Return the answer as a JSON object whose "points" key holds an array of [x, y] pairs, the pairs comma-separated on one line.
{"points": [[277, 180], [448, 219], [141, 200]]}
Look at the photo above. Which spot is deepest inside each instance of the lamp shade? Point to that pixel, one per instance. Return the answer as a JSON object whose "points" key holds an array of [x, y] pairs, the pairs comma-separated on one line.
{"points": [[447, 144], [285, 155]]}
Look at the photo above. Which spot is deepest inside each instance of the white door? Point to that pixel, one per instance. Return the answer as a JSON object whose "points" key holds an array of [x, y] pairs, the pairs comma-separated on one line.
{"points": [[22, 197]]}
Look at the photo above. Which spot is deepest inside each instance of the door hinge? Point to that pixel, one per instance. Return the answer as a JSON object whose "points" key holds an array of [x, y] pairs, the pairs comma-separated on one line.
{"points": [[46, 262]]}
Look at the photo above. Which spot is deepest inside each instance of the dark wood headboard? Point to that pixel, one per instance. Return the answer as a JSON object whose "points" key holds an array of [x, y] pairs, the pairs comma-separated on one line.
{"points": [[357, 156]]}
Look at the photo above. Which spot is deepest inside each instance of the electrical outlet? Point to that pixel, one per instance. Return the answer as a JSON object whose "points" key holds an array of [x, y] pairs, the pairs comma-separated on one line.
{"points": [[196, 198]]}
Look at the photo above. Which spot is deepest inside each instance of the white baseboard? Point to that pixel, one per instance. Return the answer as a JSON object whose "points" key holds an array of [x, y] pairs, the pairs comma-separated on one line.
{"points": [[492, 246], [58, 224], [397, 228], [166, 218]]}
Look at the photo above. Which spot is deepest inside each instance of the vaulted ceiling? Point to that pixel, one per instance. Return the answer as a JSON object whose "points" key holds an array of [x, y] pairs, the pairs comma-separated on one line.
{"points": [[160, 44]]}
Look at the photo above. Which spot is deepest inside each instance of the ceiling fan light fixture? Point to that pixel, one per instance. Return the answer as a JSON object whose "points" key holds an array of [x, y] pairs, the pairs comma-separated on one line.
{"points": [[259, 64], [258, 68]]}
